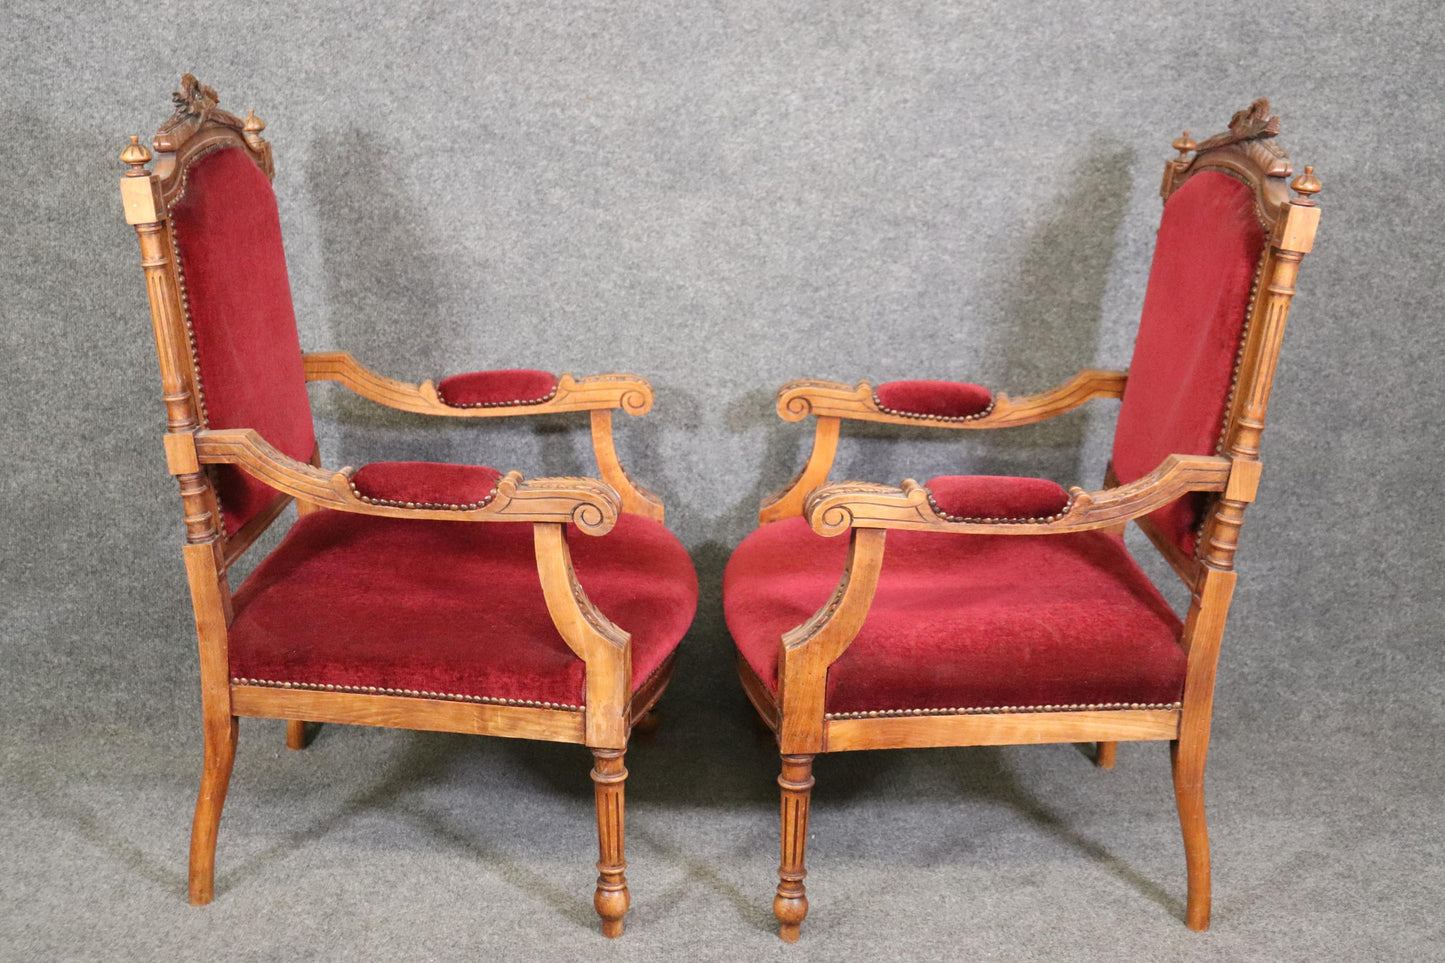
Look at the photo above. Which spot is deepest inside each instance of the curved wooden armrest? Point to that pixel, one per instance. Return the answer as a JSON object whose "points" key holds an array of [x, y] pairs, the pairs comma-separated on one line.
{"points": [[589, 504], [631, 393], [806, 396], [834, 509]]}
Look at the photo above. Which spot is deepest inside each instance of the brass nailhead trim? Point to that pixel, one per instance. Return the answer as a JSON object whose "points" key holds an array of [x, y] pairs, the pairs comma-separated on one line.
{"points": [[431, 506], [1002, 710], [918, 414], [998, 521], [411, 693], [501, 404]]}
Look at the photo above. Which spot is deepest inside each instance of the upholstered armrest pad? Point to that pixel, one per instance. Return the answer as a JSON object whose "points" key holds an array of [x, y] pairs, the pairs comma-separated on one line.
{"points": [[497, 389], [941, 404], [425, 484], [589, 504], [485, 394], [944, 400], [834, 508], [995, 497]]}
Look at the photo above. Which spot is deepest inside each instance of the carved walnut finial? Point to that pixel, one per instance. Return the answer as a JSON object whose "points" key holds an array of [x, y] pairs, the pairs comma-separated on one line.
{"points": [[137, 156], [251, 127], [1307, 185], [1184, 145]]}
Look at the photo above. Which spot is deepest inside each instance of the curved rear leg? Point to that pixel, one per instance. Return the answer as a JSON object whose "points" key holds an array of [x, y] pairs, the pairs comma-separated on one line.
{"points": [[1187, 762], [296, 734], [215, 779]]}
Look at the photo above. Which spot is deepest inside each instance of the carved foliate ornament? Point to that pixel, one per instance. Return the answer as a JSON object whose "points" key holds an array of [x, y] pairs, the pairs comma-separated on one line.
{"points": [[1253, 131], [196, 106]]}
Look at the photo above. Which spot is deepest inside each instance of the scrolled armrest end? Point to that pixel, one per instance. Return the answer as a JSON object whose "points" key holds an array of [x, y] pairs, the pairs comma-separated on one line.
{"points": [[834, 509]]}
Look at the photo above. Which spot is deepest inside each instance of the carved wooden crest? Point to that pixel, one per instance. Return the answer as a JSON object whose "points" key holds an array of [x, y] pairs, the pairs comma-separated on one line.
{"points": [[1253, 130], [196, 106]]}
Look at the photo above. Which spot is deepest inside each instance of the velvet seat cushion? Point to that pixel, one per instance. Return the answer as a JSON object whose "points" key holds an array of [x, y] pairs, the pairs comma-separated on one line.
{"points": [[996, 497], [966, 622], [947, 400], [497, 389], [426, 484], [452, 608]]}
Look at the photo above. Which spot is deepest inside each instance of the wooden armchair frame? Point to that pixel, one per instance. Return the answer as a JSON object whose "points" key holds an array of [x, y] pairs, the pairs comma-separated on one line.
{"points": [[611, 709], [866, 511]]}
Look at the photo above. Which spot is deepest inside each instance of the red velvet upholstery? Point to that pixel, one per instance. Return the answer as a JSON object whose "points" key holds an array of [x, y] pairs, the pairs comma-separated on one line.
{"points": [[449, 607], [228, 237], [966, 621], [934, 399], [1205, 258], [426, 484], [996, 496], [496, 389]]}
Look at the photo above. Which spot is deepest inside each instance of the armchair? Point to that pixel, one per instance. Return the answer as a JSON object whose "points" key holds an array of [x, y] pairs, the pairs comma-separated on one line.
{"points": [[1008, 610], [413, 595]]}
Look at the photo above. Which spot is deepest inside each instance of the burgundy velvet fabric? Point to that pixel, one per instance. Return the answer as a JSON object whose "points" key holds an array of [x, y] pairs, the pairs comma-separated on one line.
{"points": [[996, 496], [450, 607], [228, 238], [965, 621], [1205, 257], [426, 482], [505, 387], [944, 399]]}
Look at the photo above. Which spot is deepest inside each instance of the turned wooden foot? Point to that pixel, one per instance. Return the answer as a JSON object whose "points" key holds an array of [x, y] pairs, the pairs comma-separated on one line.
{"points": [[215, 779], [1188, 765], [790, 905], [1105, 755], [296, 737], [612, 898]]}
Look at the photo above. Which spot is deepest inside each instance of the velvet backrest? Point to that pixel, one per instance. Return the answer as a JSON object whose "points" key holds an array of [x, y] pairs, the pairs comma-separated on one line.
{"points": [[243, 327], [1206, 261]]}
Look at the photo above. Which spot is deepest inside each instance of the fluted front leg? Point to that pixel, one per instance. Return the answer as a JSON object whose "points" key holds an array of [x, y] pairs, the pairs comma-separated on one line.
{"points": [[295, 734], [1106, 754], [612, 898], [790, 906]]}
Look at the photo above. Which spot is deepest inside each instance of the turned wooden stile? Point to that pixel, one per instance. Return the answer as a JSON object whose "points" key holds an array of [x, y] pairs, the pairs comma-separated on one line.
{"points": [[1292, 238], [204, 548]]}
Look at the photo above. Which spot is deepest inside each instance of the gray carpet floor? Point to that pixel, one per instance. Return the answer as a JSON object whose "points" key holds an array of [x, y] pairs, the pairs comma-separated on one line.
{"points": [[384, 845]]}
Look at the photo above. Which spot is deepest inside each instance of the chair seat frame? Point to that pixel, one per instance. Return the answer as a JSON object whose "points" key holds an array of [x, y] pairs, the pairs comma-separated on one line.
{"points": [[797, 714]]}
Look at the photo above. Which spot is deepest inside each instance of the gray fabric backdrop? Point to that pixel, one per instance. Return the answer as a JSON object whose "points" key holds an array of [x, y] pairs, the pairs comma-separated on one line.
{"points": [[721, 196]]}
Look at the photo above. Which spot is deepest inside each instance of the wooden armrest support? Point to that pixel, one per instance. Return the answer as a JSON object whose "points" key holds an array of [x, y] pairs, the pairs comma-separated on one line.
{"points": [[807, 650], [602, 645], [806, 396], [631, 393], [833, 509], [589, 504]]}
